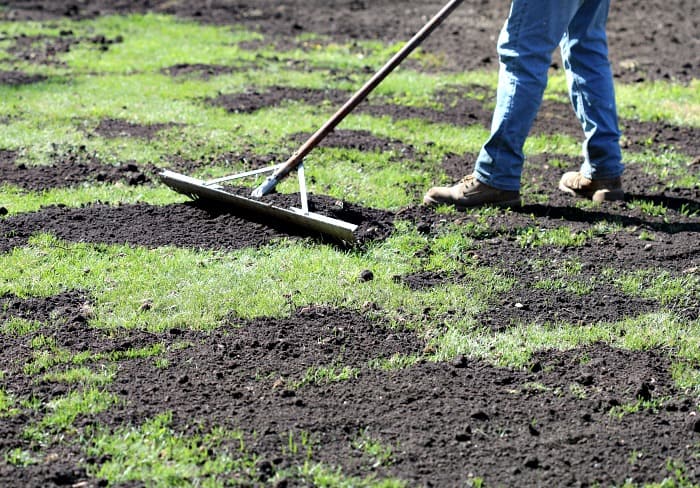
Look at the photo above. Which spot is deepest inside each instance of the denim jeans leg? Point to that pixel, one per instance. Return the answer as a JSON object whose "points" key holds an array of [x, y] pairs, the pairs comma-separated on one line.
{"points": [[533, 30], [584, 50]]}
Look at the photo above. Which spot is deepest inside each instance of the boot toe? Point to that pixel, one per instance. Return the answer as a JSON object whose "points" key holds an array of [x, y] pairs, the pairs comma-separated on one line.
{"points": [[433, 196]]}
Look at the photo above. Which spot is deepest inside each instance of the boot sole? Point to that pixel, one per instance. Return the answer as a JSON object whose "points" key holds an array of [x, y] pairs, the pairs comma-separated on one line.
{"points": [[508, 203], [599, 196]]}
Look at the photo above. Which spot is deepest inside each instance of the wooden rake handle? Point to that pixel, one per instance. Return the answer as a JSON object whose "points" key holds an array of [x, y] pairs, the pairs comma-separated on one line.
{"points": [[293, 162]]}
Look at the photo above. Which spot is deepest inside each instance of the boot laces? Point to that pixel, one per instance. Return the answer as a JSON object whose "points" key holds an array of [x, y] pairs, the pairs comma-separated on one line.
{"points": [[469, 181]]}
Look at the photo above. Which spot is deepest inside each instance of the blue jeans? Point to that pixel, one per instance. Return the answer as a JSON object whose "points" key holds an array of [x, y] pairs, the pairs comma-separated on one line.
{"points": [[533, 30]]}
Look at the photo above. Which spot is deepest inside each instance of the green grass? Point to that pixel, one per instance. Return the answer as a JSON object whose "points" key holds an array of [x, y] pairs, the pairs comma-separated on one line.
{"points": [[17, 326], [321, 375], [6, 404], [231, 282], [83, 376], [668, 288], [514, 347], [16, 200], [155, 455], [47, 355], [395, 362], [20, 457], [63, 411], [378, 453]]}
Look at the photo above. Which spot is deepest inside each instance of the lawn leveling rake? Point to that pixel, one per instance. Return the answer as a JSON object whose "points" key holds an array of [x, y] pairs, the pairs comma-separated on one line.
{"points": [[253, 207]]}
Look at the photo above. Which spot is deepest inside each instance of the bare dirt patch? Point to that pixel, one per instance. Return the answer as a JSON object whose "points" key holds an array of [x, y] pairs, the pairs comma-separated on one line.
{"points": [[64, 306], [112, 128], [361, 140], [67, 169], [45, 49], [551, 422], [182, 225], [17, 78], [201, 70]]}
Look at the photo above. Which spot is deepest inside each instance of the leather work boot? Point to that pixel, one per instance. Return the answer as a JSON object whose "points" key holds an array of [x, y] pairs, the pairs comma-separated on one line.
{"points": [[470, 192], [603, 190]]}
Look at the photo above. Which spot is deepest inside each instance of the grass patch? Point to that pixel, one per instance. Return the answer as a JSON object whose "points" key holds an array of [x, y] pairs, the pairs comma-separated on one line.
{"points": [[557, 237], [395, 362], [663, 286], [379, 453], [20, 457], [7, 403], [231, 282], [322, 375], [83, 376], [17, 326], [16, 200], [47, 354], [155, 455], [63, 411], [515, 346]]}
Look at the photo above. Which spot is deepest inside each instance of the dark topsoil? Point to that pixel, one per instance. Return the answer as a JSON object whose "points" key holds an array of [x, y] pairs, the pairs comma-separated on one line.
{"points": [[552, 422], [71, 168], [445, 421]]}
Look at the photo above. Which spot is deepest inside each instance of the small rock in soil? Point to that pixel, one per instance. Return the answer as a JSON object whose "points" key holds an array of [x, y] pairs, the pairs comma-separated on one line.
{"points": [[464, 436], [460, 362], [480, 415], [265, 470], [366, 275], [536, 367], [585, 379], [644, 391]]}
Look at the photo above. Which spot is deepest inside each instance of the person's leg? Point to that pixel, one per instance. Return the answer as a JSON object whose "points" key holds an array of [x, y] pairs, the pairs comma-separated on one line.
{"points": [[533, 30], [584, 50]]}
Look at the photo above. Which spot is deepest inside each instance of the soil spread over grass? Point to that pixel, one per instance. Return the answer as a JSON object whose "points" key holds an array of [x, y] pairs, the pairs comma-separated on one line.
{"points": [[561, 420]]}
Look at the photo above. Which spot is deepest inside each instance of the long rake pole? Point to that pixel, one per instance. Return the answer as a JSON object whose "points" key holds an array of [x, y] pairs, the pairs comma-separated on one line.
{"points": [[295, 160]]}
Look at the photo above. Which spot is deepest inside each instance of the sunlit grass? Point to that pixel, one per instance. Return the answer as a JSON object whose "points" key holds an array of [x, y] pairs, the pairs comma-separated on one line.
{"points": [[16, 200], [231, 282], [515, 346]]}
